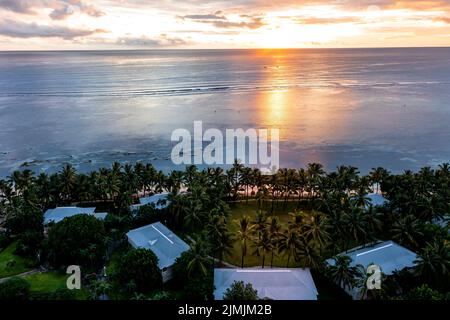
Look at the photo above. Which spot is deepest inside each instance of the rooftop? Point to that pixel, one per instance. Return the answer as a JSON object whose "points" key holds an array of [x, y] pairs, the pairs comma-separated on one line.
{"points": [[377, 199], [388, 255], [274, 284], [158, 238], [58, 214], [158, 200]]}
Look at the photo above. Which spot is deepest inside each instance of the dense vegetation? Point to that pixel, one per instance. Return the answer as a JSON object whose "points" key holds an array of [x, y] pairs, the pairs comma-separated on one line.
{"points": [[332, 213]]}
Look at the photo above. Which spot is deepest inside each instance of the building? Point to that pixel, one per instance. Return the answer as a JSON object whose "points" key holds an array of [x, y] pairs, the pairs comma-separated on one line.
{"points": [[273, 284], [58, 214], [377, 199], [158, 200], [388, 255], [162, 242]]}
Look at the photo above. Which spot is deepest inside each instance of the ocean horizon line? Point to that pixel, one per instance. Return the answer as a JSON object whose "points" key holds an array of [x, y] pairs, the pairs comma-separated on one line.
{"points": [[226, 49]]}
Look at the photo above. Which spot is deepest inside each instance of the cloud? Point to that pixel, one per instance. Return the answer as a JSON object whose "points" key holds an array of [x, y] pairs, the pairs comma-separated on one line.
{"points": [[19, 6], [442, 19], [16, 29], [162, 40], [61, 9], [323, 21], [220, 21], [204, 17]]}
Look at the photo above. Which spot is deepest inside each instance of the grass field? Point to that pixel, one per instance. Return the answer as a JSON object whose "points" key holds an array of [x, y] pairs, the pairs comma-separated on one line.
{"points": [[238, 210], [48, 282], [327, 290], [17, 264]]}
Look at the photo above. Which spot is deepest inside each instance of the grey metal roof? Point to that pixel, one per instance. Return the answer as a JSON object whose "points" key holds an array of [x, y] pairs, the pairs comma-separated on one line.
{"points": [[158, 238], [377, 199], [58, 214], [100, 215], [388, 255], [274, 284], [157, 200]]}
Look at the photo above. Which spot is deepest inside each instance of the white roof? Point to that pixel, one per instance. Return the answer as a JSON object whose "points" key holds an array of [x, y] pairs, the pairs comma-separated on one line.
{"points": [[388, 255], [58, 214], [159, 239], [274, 284], [100, 215], [377, 199], [157, 200]]}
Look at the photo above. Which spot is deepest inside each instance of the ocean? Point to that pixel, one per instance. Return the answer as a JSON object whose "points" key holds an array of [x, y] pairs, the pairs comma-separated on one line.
{"points": [[360, 107]]}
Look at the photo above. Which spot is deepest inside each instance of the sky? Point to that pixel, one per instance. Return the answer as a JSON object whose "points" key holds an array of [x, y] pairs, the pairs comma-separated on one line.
{"points": [[196, 24]]}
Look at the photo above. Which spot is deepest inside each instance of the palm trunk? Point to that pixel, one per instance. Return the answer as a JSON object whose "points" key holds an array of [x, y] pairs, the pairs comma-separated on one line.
{"points": [[271, 260]]}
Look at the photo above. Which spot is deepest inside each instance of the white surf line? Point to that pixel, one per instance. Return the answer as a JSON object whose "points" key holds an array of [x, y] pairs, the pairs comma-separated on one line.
{"points": [[162, 234], [373, 250]]}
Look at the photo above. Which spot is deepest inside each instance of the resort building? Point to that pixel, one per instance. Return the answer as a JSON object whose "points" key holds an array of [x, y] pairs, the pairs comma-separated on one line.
{"points": [[58, 214], [377, 199], [272, 284], [158, 200], [388, 255], [162, 242]]}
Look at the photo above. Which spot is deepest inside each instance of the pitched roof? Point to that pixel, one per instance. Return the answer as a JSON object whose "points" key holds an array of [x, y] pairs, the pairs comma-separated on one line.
{"points": [[158, 200], [159, 239], [274, 284], [377, 199], [388, 255], [58, 214]]}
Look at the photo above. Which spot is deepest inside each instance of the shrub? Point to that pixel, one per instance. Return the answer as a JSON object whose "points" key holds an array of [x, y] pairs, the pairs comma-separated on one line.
{"points": [[138, 270], [15, 288]]}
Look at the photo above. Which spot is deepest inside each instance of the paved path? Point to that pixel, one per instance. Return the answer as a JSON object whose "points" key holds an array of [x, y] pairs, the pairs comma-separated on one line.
{"points": [[28, 273]]}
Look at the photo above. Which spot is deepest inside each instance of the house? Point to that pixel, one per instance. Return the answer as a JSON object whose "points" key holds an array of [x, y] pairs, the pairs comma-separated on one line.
{"points": [[388, 255], [377, 199], [162, 242], [58, 214], [273, 284], [158, 200]]}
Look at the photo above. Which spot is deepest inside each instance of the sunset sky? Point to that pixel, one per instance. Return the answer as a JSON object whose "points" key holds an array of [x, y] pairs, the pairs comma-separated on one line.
{"points": [[140, 24]]}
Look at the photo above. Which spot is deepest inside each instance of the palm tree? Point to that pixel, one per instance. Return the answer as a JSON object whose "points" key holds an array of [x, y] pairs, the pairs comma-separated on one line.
{"points": [[314, 172], [244, 234], [274, 229], [289, 243], [221, 239], [308, 254], [68, 180], [315, 228], [406, 231], [342, 273], [263, 245], [260, 223], [199, 258], [377, 175], [235, 176], [354, 224], [373, 223], [193, 213], [433, 263]]}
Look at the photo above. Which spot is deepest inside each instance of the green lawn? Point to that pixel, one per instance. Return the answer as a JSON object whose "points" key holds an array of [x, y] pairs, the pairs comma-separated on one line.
{"points": [[327, 290], [48, 282], [238, 210], [19, 265]]}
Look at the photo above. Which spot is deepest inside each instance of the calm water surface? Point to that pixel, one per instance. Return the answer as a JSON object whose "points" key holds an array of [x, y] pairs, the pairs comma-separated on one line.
{"points": [[361, 107]]}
